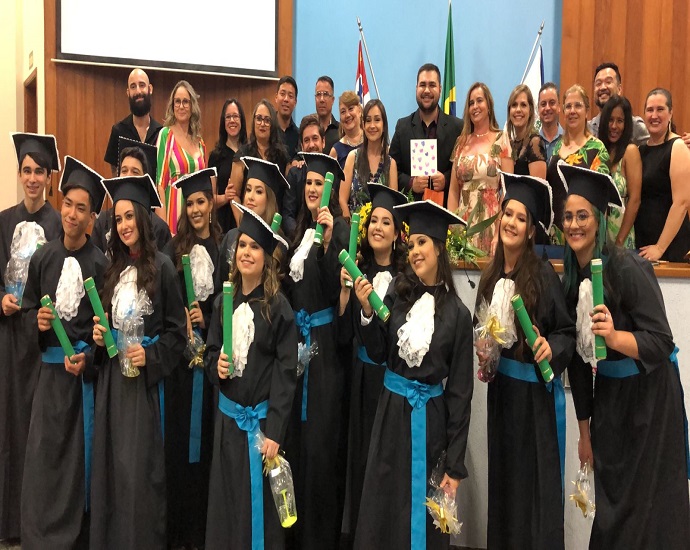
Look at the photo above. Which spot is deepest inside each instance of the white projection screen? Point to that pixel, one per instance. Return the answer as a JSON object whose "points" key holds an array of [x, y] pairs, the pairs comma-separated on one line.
{"points": [[233, 37]]}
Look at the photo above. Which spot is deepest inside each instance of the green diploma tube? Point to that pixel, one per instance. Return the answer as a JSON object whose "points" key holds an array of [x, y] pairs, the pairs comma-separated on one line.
{"points": [[325, 199], [526, 324], [275, 224], [352, 247], [90, 287], [188, 281], [376, 302], [598, 295], [58, 328], [228, 292]]}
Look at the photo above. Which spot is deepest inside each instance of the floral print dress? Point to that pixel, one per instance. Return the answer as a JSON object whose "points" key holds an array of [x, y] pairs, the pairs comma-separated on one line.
{"points": [[615, 218], [478, 178]]}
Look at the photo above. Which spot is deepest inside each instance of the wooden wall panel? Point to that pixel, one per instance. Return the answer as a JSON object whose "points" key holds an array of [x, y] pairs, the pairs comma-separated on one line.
{"points": [[649, 41], [83, 102]]}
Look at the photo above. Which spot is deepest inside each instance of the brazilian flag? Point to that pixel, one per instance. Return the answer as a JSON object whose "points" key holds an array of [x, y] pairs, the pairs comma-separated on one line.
{"points": [[448, 98]]}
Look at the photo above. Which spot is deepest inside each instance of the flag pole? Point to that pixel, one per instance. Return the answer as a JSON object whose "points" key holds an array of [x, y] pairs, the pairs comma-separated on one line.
{"points": [[366, 51], [531, 55]]}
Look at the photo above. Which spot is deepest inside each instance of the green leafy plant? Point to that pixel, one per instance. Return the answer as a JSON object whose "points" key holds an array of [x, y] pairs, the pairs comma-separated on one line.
{"points": [[459, 242]]}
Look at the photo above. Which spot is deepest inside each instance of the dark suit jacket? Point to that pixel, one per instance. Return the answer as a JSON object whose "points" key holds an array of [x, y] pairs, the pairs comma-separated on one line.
{"points": [[411, 127]]}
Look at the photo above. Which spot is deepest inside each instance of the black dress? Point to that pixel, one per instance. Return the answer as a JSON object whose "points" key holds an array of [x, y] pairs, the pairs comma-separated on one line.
{"points": [[19, 364], [366, 383], [315, 447], [186, 472], [385, 509], [222, 161], [657, 198], [54, 493], [527, 151], [638, 439], [128, 504], [268, 375], [524, 462]]}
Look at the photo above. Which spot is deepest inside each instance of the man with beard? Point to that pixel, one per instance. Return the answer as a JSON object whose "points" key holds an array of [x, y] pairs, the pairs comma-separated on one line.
{"points": [[312, 136], [607, 83], [427, 122], [139, 125]]}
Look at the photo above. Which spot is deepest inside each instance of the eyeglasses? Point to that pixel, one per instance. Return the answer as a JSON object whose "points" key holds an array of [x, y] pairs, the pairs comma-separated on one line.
{"points": [[323, 95], [262, 120], [574, 106], [232, 117], [182, 102], [581, 218]]}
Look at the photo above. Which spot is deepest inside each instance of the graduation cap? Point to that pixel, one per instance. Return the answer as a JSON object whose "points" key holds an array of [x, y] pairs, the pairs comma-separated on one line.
{"points": [[252, 225], [320, 163], [195, 182], [266, 172], [150, 152], [594, 186], [139, 189], [534, 193], [44, 144], [428, 218], [77, 174], [385, 197]]}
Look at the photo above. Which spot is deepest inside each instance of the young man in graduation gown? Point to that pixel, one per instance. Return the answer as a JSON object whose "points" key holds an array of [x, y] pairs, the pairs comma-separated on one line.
{"points": [[55, 491], [136, 159], [32, 221]]}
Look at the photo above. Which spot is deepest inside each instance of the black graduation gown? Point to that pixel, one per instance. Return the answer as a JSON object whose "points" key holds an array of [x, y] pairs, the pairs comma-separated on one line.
{"points": [[187, 483], [128, 504], [525, 494], [226, 250], [269, 374], [19, 363], [102, 229], [53, 492], [638, 440], [365, 388], [317, 445], [384, 514]]}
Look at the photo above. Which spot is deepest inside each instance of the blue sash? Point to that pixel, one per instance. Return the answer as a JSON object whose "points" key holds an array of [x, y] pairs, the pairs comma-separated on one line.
{"points": [[417, 395], [247, 419], [526, 373], [56, 356], [305, 322], [197, 412], [146, 342], [363, 356]]}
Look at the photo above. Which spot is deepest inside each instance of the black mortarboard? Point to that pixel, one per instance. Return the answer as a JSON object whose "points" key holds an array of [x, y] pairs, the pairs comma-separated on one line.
{"points": [[252, 225], [385, 197], [45, 144], [150, 152], [428, 218], [195, 182], [320, 163], [139, 189], [599, 189], [77, 174], [534, 193], [266, 172]]}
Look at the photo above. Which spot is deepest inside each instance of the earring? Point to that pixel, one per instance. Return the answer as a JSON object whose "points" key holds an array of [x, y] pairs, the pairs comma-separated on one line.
{"points": [[393, 246]]}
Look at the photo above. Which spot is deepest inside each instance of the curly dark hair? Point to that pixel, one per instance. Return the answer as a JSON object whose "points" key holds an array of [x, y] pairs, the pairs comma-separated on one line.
{"points": [[223, 133]]}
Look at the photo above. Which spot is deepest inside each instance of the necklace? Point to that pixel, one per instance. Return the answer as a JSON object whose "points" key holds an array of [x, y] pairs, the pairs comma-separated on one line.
{"points": [[482, 135], [358, 141]]}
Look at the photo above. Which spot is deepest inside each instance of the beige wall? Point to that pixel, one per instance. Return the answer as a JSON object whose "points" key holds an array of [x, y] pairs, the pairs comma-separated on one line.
{"points": [[21, 31]]}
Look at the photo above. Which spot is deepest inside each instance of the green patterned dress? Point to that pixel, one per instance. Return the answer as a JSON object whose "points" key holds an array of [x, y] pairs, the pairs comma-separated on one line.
{"points": [[615, 218]]}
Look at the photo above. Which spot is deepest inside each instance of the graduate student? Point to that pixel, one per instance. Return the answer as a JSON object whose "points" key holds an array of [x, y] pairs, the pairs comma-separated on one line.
{"points": [[56, 487], [526, 415], [256, 393], [631, 427], [128, 484], [428, 338], [188, 392], [22, 227], [382, 256], [317, 450]]}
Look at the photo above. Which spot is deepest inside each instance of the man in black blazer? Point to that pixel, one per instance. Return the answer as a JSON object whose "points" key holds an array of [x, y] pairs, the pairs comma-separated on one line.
{"points": [[429, 122]]}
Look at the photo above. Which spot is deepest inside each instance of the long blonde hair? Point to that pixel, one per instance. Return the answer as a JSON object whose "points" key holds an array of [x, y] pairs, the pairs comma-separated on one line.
{"points": [[519, 89], [577, 88], [195, 117], [269, 279], [468, 125]]}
